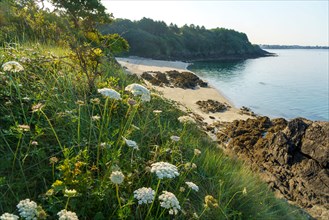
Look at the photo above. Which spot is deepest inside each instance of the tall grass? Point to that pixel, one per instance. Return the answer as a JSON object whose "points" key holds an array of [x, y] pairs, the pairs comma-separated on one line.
{"points": [[74, 140]]}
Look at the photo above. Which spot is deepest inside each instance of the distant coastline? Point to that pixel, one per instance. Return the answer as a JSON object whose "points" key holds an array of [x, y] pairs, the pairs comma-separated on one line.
{"points": [[266, 46]]}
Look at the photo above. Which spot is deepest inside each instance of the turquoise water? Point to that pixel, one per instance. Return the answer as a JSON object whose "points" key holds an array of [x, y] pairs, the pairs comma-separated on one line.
{"points": [[292, 84]]}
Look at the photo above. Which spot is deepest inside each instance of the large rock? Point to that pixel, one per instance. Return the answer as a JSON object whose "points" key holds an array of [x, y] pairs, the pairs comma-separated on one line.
{"points": [[185, 80], [212, 106], [315, 143], [293, 157]]}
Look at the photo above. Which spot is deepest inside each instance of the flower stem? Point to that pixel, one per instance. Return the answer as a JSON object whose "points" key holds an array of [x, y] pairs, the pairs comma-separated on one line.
{"points": [[67, 202], [155, 194], [117, 193]]}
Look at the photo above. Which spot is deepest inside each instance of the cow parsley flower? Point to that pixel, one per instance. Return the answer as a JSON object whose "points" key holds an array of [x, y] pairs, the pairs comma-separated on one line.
{"points": [[169, 201], [8, 216], [131, 144], [12, 66], [164, 170], [186, 120], [175, 138], [70, 192], [110, 93], [210, 202], [157, 112], [95, 118], [67, 215], [193, 186], [28, 209], [139, 90], [117, 177], [197, 152], [144, 195]]}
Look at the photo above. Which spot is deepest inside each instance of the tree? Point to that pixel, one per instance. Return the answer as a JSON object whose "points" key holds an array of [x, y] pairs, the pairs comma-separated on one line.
{"points": [[90, 11]]}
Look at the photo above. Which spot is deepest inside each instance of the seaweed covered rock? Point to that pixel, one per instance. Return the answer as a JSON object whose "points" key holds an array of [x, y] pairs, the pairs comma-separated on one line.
{"points": [[292, 156], [212, 106], [156, 78], [185, 80]]}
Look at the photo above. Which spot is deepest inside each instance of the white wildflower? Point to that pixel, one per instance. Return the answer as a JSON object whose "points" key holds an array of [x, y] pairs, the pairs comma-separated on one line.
{"points": [[181, 189], [197, 152], [67, 215], [144, 195], [169, 201], [157, 112], [110, 93], [24, 127], [95, 117], [175, 138], [34, 143], [131, 144], [189, 165], [164, 170], [12, 66], [8, 216], [28, 209], [70, 192], [37, 107], [95, 101], [186, 120], [117, 177], [193, 186], [139, 90]]}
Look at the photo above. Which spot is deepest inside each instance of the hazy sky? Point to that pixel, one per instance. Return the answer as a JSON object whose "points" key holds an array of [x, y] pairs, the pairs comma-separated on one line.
{"points": [[265, 22]]}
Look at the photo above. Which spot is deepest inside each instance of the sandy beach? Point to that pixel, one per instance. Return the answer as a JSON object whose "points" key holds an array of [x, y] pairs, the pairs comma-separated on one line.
{"points": [[187, 98]]}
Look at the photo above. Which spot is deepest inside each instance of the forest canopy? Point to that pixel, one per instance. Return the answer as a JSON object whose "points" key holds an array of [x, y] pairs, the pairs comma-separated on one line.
{"points": [[155, 39]]}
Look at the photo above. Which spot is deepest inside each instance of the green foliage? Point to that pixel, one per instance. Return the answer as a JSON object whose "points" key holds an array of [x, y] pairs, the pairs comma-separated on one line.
{"points": [[57, 153], [22, 21], [154, 39], [90, 11]]}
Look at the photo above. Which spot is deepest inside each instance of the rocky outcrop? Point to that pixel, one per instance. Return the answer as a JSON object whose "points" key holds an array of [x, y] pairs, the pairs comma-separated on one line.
{"points": [[292, 156], [212, 106], [185, 80]]}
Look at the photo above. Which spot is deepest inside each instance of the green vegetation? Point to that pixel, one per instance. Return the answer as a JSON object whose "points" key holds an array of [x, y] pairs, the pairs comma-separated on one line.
{"points": [[154, 39], [75, 150]]}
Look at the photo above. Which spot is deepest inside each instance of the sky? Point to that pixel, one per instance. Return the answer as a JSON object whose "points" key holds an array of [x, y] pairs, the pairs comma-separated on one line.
{"points": [[265, 22]]}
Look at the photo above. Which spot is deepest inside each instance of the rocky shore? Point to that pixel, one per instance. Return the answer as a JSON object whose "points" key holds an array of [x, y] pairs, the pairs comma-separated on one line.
{"points": [[291, 156]]}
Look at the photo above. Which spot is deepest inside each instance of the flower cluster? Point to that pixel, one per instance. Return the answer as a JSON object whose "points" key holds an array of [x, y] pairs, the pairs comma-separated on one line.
{"points": [[67, 215], [131, 144], [8, 216], [197, 152], [28, 209], [164, 170], [175, 138], [12, 66], [117, 177], [70, 192], [144, 195], [186, 120], [139, 90], [110, 93], [169, 201], [210, 202], [193, 186]]}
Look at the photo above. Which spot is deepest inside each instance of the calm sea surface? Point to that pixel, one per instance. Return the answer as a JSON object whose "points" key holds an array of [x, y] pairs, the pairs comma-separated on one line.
{"points": [[293, 84]]}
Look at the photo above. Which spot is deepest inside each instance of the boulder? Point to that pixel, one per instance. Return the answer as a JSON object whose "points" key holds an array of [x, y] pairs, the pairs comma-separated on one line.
{"points": [[291, 156], [212, 106]]}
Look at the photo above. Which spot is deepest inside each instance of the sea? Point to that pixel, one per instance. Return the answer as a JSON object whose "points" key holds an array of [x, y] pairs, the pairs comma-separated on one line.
{"points": [[294, 83]]}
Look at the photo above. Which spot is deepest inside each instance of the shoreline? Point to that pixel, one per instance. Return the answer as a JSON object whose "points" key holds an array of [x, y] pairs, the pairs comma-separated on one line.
{"points": [[187, 98]]}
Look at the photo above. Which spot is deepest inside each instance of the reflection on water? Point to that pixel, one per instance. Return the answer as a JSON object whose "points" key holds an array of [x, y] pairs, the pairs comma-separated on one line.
{"points": [[293, 84], [227, 69]]}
